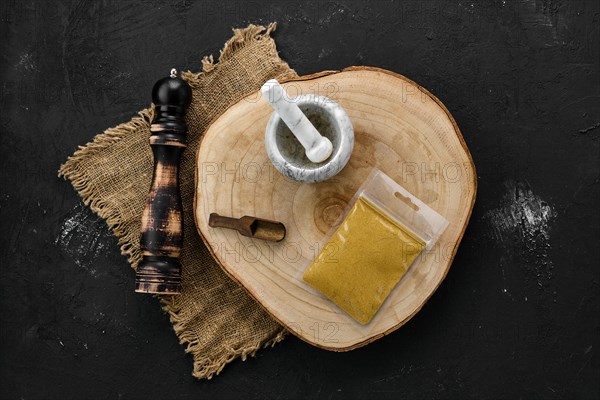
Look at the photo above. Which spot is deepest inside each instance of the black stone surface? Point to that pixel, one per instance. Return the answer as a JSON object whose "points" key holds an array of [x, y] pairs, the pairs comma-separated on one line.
{"points": [[517, 315]]}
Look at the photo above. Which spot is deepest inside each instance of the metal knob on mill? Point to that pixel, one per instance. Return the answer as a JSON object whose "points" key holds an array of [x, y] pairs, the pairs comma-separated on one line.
{"points": [[161, 240]]}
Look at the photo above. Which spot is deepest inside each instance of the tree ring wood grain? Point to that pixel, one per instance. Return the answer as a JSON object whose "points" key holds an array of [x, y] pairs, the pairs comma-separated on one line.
{"points": [[401, 129]]}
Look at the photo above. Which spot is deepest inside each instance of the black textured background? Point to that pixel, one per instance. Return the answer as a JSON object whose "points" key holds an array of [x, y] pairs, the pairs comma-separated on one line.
{"points": [[517, 316]]}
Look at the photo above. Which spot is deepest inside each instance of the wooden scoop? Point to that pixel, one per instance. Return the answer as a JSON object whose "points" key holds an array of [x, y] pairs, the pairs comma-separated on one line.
{"points": [[250, 226]]}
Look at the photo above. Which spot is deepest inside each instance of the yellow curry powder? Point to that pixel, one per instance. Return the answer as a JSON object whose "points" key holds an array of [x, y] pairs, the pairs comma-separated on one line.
{"points": [[363, 260]]}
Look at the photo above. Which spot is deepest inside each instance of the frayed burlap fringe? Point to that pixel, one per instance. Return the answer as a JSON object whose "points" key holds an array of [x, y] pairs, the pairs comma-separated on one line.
{"points": [[240, 38], [213, 318], [74, 171]]}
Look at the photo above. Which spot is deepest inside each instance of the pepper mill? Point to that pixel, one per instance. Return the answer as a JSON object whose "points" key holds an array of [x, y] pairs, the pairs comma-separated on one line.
{"points": [[161, 240]]}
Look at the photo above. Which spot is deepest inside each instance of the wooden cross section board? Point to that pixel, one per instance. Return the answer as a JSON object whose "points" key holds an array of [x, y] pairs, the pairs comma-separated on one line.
{"points": [[401, 129]]}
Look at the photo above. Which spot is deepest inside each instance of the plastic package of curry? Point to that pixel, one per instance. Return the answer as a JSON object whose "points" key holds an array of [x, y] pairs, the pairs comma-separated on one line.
{"points": [[366, 253]]}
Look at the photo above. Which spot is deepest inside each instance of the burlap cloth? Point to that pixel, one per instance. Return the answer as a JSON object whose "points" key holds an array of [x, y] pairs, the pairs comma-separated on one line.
{"points": [[213, 317]]}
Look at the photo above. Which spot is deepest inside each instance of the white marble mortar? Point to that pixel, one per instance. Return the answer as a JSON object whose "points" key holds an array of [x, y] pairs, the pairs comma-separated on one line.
{"points": [[288, 155]]}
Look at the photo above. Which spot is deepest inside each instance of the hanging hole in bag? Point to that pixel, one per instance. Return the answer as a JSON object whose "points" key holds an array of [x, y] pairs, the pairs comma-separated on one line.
{"points": [[407, 201]]}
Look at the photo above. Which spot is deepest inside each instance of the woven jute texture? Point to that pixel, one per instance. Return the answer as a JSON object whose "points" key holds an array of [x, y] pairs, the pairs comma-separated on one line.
{"points": [[213, 317]]}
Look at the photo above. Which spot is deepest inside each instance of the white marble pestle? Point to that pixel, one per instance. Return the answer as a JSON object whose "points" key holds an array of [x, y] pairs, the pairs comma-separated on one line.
{"points": [[317, 148]]}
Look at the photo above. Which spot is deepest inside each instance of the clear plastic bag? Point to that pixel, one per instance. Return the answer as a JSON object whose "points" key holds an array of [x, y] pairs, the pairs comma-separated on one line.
{"points": [[380, 236]]}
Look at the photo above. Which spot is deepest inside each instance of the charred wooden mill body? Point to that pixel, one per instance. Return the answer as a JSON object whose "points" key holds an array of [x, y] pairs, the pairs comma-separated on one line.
{"points": [[161, 240]]}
